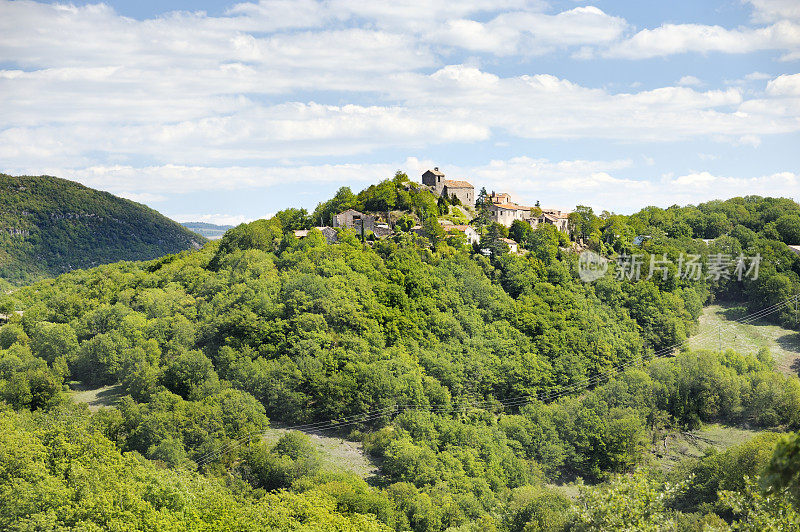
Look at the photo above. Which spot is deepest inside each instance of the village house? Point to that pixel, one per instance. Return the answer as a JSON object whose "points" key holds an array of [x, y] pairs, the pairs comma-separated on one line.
{"points": [[472, 235], [504, 211], [499, 198], [433, 178], [353, 219], [513, 247], [462, 190], [553, 217]]}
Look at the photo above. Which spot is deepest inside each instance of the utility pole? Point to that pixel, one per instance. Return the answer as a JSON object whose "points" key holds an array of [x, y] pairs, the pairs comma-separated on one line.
{"points": [[796, 309]]}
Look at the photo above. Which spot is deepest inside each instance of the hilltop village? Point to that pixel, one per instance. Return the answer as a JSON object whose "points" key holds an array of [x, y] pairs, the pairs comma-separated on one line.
{"points": [[461, 212]]}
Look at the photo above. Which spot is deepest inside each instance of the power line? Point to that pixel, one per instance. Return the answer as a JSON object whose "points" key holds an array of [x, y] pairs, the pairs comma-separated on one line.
{"points": [[515, 401], [512, 401]]}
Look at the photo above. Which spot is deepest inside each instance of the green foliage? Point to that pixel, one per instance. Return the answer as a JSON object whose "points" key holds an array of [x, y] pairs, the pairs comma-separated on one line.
{"points": [[396, 194], [173, 430], [50, 226], [626, 503], [188, 372], [750, 226], [727, 471], [429, 337], [538, 509], [26, 382], [492, 239], [263, 235], [292, 219], [53, 340], [788, 227], [783, 471], [291, 459], [584, 224], [521, 232], [58, 473], [756, 511]]}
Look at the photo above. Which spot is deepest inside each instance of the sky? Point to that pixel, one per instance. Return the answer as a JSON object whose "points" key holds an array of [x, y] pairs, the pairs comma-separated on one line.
{"points": [[229, 112]]}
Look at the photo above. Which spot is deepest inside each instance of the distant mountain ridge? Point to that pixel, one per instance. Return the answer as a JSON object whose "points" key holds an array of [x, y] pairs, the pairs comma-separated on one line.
{"points": [[210, 231], [49, 226]]}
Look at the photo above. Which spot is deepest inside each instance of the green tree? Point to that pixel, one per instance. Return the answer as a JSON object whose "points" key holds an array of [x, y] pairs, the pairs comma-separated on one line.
{"points": [[788, 227], [782, 474], [53, 340], [584, 223], [292, 219], [521, 232]]}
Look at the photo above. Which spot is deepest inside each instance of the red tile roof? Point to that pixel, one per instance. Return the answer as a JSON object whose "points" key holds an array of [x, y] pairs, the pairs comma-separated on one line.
{"points": [[513, 206], [457, 184]]}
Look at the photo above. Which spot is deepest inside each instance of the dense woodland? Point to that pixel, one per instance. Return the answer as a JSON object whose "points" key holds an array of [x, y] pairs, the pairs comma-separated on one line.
{"points": [[49, 226], [479, 380]]}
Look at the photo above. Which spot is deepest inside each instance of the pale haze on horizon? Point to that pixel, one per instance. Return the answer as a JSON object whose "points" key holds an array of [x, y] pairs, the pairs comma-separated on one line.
{"points": [[229, 112]]}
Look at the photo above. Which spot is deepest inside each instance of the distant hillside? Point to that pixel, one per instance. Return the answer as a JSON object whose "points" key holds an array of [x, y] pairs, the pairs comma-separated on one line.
{"points": [[49, 226], [210, 231]]}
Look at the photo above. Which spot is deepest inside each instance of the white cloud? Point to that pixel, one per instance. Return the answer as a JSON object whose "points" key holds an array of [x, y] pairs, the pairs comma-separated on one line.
{"points": [[187, 100], [772, 10], [757, 76], [166, 179], [560, 184], [785, 85], [69, 122], [705, 186], [670, 39], [142, 197], [750, 140], [531, 32], [686, 81]]}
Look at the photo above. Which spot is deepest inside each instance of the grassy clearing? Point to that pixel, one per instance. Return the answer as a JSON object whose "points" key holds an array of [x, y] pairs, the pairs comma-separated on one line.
{"points": [[337, 453], [680, 446], [717, 329], [107, 396]]}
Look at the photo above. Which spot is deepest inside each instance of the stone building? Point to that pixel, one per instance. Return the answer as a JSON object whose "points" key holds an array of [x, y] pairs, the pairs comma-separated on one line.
{"points": [[433, 178], [463, 190], [353, 219], [553, 217], [504, 211]]}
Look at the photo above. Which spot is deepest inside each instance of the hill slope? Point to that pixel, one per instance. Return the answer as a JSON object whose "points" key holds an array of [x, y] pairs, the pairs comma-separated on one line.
{"points": [[49, 226], [210, 231]]}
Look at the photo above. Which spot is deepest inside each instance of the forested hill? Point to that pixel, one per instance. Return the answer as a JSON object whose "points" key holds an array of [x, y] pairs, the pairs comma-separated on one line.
{"points": [[478, 379], [210, 231], [49, 226]]}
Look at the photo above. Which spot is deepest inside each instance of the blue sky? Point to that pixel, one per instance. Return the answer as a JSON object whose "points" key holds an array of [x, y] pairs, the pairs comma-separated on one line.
{"points": [[230, 112]]}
